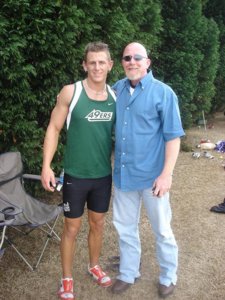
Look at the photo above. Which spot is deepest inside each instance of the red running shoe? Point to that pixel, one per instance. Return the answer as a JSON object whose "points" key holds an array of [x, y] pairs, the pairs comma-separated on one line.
{"points": [[101, 277], [66, 289]]}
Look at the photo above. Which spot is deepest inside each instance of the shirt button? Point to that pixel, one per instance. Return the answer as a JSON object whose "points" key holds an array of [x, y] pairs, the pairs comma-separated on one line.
{"points": [[124, 153], [128, 107], [125, 123], [123, 166], [124, 139]]}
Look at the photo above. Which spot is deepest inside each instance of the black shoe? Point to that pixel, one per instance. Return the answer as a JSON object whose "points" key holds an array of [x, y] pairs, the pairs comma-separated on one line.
{"points": [[120, 286], [220, 208], [165, 291]]}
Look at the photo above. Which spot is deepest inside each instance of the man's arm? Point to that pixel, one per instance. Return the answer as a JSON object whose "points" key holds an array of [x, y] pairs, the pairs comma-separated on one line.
{"points": [[163, 183], [56, 123]]}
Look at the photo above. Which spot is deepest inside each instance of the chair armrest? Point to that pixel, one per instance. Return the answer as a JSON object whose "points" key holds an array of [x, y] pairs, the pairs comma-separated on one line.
{"points": [[35, 177], [31, 176]]}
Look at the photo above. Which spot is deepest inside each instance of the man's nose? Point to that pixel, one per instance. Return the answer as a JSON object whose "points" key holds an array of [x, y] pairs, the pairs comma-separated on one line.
{"points": [[132, 60], [97, 66]]}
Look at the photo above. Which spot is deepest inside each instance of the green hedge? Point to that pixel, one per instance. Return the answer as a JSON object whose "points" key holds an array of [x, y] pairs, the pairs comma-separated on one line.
{"points": [[41, 49]]}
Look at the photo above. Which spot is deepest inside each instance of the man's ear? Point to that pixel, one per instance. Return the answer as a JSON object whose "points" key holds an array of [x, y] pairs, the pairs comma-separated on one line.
{"points": [[110, 65], [84, 66], [149, 62]]}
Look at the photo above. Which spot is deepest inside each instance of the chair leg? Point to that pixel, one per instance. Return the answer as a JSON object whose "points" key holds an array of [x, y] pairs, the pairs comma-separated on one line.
{"points": [[19, 253], [50, 234], [3, 236]]}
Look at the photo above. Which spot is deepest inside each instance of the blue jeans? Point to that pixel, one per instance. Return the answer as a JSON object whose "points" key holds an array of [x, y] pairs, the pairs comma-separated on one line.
{"points": [[126, 215]]}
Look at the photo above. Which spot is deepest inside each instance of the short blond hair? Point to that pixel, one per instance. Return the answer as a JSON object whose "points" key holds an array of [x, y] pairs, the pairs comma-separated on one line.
{"points": [[96, 47]]}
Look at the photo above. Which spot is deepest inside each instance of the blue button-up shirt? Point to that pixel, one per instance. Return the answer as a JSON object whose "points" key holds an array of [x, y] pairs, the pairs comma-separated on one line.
{"points": [[145, 120]]}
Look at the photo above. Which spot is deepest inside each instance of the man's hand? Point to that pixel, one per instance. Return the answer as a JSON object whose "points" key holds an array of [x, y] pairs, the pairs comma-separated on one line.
{"points": [[48, 179], [162, 185]]}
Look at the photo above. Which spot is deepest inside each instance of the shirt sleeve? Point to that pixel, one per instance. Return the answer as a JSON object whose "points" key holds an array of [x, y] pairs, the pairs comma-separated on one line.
{"points": [[170, 115]]}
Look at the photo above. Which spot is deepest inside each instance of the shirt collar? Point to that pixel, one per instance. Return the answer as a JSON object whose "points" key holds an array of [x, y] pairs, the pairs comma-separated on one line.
{"points": [[143, 82]]}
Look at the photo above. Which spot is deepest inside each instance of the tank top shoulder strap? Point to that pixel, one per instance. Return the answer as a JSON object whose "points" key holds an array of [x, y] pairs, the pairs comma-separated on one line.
{"points": [[112, 93], [77, 91]]}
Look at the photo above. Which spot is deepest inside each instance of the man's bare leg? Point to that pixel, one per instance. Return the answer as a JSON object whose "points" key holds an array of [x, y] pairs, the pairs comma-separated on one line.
{"points": [[96, 223], [67, 246]]}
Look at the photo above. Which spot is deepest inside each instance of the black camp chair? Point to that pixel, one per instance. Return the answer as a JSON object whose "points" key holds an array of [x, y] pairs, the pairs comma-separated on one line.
{"points": [[20, 211]]}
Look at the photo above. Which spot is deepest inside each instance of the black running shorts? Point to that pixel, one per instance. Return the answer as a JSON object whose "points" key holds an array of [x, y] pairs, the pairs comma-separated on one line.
{"points": [[76, 192]]}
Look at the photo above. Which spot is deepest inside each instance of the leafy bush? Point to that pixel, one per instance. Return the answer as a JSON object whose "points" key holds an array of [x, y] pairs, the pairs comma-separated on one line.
{"points": [[41, 50]]}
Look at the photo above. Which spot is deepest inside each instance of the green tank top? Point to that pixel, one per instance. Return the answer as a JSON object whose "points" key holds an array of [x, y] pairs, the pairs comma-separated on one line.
{"points": [[90, 126]]}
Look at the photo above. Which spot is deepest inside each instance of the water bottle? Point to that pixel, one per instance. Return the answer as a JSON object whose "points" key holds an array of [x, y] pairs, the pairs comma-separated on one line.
{"points": [[60, 182]]}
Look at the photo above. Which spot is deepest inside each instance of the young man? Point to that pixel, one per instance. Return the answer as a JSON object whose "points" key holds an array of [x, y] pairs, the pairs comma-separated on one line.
{"points": [[89, 108], [148, 130]]}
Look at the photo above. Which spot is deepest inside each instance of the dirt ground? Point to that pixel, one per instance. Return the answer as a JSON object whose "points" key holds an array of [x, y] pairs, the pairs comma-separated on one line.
{"points": [[198, 184]]}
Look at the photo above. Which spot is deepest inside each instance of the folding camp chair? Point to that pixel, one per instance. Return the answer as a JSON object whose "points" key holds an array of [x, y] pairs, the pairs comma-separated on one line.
{"points": [[20, 211]]}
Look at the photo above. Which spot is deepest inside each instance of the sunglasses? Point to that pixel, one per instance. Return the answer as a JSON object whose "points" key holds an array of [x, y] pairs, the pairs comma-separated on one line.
{"points": [[136, 57]]}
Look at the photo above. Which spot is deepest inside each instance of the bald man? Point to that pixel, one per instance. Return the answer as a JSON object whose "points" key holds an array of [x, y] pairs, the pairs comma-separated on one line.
{"points": [[148, 131]]}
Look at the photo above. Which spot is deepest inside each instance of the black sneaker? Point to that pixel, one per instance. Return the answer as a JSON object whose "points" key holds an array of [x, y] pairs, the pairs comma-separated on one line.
{"points": [[220, 208]]}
